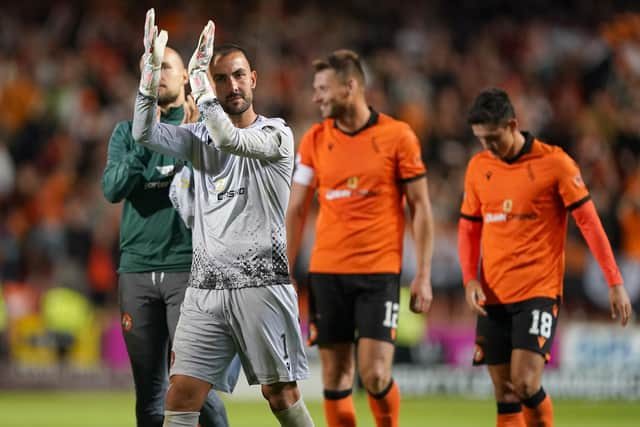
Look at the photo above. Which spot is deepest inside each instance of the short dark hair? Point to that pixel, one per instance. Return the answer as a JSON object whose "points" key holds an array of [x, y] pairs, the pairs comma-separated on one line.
{"points": [[227, 48], [491, 107], [346, 63]]}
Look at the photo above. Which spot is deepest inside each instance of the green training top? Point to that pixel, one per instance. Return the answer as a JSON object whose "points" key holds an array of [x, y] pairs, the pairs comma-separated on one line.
{"points": [[152, 235]]}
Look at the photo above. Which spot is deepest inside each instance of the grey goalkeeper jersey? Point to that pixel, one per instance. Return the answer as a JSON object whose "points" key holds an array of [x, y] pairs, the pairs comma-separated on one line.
{"points": [[241, 181]]}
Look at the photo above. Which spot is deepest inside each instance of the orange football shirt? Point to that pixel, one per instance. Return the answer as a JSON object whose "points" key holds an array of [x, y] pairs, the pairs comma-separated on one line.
{"points": [[359, 177], [523, 205]]}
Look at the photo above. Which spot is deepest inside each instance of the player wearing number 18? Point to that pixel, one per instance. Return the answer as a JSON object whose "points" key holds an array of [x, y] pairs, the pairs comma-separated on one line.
{"points": [[517, 194]]}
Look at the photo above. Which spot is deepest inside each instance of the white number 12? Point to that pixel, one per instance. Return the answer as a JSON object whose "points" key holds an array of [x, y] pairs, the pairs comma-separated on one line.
{"points": [[391, 315]]}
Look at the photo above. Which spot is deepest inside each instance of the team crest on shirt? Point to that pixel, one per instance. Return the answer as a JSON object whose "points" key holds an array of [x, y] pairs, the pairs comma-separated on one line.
{"points": [[352, 182], [127, 322], [507, 205], [220, 184]]}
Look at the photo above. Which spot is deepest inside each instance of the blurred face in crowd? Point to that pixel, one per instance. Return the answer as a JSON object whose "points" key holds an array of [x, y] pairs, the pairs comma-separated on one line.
{"points": [[234, 82], [331, 93], [173, 77], [500, 139]]}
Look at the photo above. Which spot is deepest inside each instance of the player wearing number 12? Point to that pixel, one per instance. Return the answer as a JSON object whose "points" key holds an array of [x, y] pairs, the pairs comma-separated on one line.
{"points": [[517, 194], [362, 163]]}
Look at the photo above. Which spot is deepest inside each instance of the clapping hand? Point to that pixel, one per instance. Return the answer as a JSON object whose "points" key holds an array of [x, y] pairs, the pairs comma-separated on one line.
{"points": [[154, 45], [199, 66]]}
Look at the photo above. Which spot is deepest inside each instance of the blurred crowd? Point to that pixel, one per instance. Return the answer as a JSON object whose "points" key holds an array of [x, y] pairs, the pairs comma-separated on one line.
{"points": [[69, 73]]}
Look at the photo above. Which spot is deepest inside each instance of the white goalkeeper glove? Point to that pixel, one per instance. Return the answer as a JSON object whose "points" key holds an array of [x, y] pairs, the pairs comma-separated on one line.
{"points": [[154, 45], [199, 66]]}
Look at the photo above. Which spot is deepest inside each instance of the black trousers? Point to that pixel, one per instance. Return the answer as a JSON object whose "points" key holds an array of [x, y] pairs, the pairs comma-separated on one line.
{"points": [[149, 309]]}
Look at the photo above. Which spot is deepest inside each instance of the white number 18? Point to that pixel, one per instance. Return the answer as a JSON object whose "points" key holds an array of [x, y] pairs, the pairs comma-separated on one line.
{"points": [[541, 323]]}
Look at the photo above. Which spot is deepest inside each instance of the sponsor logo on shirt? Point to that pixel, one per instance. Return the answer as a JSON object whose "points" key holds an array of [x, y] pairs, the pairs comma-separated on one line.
{"points": [[156, 184], [352, 190], [219, 186], [495, 217], [230, 194], [503, 217], [338, 194]]}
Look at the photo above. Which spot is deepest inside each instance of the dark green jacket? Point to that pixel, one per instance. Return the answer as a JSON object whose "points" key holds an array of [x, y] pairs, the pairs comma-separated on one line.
{"points": [[152, 235]]}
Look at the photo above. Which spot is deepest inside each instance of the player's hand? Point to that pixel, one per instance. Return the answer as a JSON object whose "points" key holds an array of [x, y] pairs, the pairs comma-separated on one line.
{"points": [[620, 304], [199, 65], [154, 45], [421, 294], [191, 113], [475, 297]]}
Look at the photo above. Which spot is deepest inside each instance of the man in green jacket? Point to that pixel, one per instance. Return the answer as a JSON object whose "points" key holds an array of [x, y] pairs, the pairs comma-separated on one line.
{"points": [[155, 253]]}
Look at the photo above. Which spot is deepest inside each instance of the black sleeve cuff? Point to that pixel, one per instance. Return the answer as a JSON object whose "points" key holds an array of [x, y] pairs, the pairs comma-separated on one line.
{"points": [[579, 203], [413, 178], [471, 218]]}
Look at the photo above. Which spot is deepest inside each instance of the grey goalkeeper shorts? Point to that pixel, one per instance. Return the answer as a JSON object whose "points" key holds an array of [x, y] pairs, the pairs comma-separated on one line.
{"points": [[259, 324]]}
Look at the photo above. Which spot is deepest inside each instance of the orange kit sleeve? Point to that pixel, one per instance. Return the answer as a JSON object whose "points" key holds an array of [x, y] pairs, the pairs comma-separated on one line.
{"points": [[590, 226]]}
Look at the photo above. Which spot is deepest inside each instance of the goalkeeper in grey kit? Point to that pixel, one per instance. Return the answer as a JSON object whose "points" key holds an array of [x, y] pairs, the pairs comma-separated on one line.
{"points": [[155, 254], [239, 299]]}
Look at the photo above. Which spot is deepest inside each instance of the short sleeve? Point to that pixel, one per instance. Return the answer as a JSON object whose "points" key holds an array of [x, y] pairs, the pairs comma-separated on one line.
{"points": [[410, 164], [305, 170], [471, 207], [571, 187]]}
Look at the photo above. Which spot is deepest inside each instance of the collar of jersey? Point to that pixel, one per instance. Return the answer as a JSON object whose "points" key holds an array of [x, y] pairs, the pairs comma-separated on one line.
{"points": [[373, 119], [174, 115], [526, 148]]}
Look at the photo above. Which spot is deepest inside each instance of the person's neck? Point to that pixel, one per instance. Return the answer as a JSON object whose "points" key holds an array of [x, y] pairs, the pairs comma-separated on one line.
{"points": [[518, 143], [354, 118], [177, 103], [245, 119]]}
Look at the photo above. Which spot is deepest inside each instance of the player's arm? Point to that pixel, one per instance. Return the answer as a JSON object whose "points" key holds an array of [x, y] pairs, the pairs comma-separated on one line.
{"points": [[302, 191], [417, 194], [266, 143], [167, 139], [588, 221], [124, 165], [469, 237], [575, 196], [174, 141]]}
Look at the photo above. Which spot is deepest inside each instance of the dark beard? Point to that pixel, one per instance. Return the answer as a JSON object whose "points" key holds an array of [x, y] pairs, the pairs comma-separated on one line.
{"points": [[337, 111], [236, 111]]}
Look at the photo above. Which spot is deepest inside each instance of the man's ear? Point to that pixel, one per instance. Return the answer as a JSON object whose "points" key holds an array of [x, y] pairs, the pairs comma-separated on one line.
{"points": [[254, 79], [352, 85]]}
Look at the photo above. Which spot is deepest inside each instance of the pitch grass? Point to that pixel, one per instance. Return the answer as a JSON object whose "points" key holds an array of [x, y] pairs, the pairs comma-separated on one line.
{"points": [[115, 409]]}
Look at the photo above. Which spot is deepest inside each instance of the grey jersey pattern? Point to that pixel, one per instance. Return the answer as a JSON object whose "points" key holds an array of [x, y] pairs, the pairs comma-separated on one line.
{"points": [[241, 181]]}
